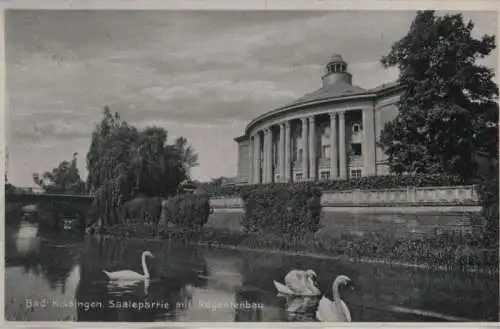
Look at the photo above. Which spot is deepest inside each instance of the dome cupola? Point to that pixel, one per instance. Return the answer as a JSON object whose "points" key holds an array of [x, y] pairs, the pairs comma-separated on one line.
{"points": [[336, 71]]}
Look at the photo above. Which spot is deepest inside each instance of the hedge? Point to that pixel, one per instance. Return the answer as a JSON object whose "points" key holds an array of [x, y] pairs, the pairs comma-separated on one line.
{"points": [[370, 182], [281, 209], [188, 211]]}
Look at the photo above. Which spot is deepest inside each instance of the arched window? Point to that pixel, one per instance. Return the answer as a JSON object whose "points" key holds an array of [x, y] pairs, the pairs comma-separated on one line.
{"points": [[356, 128]]}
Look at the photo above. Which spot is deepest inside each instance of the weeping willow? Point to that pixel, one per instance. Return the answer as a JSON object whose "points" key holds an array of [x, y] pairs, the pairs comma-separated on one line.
{"points": [[126, 163]]}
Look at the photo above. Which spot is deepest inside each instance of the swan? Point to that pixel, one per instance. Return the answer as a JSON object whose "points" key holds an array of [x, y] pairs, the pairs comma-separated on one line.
{"points": [[298, 283], [128, 275], [336, 310]]}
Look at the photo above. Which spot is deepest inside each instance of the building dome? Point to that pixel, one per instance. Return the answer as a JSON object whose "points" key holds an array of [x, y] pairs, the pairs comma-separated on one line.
{"points": [[336, 58], [336, 71]]}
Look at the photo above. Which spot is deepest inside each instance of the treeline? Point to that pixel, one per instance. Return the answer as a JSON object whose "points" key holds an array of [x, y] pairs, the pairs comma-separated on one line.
{"points": [[130, 171]]}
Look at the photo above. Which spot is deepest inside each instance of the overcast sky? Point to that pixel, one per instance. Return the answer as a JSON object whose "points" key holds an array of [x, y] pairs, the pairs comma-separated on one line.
{"points": [[202, 75]]}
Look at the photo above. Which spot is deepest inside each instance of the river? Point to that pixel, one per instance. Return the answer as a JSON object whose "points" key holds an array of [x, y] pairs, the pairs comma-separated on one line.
{"points": [[58, 276]]}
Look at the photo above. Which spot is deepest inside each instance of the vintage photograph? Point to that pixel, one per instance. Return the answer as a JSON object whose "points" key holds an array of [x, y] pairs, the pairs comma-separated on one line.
{"points": [[251, 166]]}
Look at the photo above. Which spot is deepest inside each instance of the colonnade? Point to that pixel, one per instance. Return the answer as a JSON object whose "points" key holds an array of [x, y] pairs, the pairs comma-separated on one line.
{"points": [[261, 169]]}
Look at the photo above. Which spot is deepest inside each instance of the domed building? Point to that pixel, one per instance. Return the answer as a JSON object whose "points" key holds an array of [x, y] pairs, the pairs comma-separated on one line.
{"points": [[330, 133]]}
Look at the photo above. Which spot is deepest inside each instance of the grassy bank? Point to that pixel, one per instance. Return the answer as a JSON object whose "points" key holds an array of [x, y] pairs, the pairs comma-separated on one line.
{"points": [[449, 252]]}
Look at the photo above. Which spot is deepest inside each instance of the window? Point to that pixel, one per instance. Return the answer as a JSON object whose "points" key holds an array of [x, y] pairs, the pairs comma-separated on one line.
{"points": [[355, 173], [326, 152], [356, 128], [356, 149], [298, 177], [325, 175]]}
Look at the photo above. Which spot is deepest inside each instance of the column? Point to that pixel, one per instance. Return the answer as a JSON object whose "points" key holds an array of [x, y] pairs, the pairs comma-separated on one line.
{"points": [[264, 157], [334, 171], [342, 147], [281, 153], [287, 151], [250, 160], [312, 148], [269, 168], [257, 159], [369, 166], [304, 149]]}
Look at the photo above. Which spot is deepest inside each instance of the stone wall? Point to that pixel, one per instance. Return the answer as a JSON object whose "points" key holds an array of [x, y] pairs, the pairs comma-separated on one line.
{"points": [[409, 196], [402, 212]]}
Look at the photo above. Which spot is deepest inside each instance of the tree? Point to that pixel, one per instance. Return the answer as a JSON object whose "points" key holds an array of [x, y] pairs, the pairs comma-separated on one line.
{"points": [[448, 113], [65, 178], [188, 156], [125, 163]]}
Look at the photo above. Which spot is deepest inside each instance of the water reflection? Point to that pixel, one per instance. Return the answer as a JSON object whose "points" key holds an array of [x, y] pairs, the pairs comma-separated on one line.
{"points": [[65, 274], [164, 297], [42, 270]]}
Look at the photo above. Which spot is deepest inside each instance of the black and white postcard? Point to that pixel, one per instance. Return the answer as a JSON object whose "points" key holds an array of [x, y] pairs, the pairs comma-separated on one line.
{"points": [[251, 165]]}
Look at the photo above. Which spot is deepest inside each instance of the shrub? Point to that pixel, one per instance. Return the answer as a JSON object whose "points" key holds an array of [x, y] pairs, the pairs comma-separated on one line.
{"points": [[189, 211], [488, 190], [282, 209], [452, 251], [371, 182]]}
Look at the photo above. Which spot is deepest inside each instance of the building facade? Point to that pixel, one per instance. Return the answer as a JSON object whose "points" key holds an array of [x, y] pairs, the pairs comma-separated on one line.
{"points": [[331, 133]]}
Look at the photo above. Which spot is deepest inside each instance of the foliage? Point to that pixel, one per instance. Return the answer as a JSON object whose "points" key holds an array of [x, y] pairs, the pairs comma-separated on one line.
{"points": [[124, 163], [142, 209], [452, 251], [368, 183], [488, 189], [448, 251], [188, 157], [65, 178], [293, 210], [188, 211], [448, 111]]}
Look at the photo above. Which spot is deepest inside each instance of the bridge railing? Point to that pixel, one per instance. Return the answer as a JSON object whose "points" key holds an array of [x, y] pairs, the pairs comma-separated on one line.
{"points": [[39, 190]]}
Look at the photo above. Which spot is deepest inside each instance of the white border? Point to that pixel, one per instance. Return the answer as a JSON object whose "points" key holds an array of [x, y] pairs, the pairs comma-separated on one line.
{"points": [[459, 5]]}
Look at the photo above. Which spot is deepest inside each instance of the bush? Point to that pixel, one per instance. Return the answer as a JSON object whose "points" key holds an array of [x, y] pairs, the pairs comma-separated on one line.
{"points": [[189, 211], [452, 251], [282, 209], [488, 199], [371, 182]]}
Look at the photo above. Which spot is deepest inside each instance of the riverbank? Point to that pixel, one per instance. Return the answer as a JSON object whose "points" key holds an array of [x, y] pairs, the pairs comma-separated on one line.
{"points": [[443, 252]]}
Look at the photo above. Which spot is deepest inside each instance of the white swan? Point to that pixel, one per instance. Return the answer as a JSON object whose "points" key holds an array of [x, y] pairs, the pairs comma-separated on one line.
{"points": [[336, 310], [128, 275], [298, 283]]}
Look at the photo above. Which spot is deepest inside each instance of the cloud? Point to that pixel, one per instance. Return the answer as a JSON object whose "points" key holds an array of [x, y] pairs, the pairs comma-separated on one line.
{"points": [[202, 75]]}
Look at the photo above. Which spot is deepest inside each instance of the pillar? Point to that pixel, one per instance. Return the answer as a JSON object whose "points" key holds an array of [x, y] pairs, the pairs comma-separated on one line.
{"points": [[312, 148], [264, 156], [281, 153], [304, 149], [269, 156], [334, 170], [257, 159], [250, 160], [342, 147], [287, 151], [369, 166]]}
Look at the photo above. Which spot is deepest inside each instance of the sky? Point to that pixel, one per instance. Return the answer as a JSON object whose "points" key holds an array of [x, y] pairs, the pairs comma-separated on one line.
{"points": [[201, 75]]}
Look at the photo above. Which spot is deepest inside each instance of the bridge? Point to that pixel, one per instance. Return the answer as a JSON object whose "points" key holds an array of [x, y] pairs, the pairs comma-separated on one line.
{"points": [[79, 204]]}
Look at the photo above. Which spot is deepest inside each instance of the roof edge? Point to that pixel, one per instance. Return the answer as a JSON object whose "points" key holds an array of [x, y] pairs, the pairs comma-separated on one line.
{"points": [[374, 92], [241, 138]]}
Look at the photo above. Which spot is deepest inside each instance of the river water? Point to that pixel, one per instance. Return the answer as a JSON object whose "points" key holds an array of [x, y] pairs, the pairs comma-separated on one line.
{"points": [[58, 276]]}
